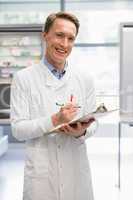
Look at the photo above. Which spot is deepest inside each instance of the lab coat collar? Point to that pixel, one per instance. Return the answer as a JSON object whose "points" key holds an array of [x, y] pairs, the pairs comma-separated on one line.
{"points": [[51, 80], [56, 72]]}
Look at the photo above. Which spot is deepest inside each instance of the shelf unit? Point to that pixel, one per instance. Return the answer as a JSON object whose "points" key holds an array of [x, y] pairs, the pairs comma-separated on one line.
{"points": [[20, 47]]}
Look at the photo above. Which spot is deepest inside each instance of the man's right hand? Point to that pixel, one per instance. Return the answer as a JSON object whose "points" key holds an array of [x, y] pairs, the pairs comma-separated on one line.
{"points": [[65, 114]]}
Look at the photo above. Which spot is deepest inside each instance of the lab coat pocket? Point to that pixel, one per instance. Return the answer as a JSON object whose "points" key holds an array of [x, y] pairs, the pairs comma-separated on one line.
{"points": [[37, 162], [41, 162]]}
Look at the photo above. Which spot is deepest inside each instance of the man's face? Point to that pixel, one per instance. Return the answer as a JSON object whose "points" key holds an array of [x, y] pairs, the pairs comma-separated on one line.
{"points": [[59, 42]]}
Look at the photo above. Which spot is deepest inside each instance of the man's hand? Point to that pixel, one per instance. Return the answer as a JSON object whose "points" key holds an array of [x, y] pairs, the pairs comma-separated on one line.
{"points": [[65, 115], [78, 129]]}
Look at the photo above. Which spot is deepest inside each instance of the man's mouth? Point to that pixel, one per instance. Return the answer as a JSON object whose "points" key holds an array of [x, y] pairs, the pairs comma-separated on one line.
{"points": [[61, 51]]}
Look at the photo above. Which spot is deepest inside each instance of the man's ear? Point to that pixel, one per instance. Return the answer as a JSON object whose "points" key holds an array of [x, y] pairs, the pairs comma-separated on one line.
{"points": [[43, 35]]}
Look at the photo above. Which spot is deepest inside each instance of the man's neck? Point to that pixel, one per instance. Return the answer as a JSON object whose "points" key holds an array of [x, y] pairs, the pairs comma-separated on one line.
{"points": [[58, 67], [59, 73]]}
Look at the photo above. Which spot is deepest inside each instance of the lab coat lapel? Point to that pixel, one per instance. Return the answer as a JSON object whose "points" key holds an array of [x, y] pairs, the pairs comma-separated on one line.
{"points": [[52, 81]]}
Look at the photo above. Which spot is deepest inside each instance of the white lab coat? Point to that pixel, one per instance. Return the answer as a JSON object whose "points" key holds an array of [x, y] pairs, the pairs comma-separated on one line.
{"points": [[56, 165]]}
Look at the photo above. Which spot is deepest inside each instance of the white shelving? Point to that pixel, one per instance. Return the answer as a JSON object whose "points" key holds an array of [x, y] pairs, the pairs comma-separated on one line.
{"points": [[18, 50], [20, 47]]}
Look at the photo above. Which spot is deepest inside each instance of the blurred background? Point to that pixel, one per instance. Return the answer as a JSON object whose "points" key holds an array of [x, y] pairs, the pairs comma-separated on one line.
{"points": [[96, 52]]}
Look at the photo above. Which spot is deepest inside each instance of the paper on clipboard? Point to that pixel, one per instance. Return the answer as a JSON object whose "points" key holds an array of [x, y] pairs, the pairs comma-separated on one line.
{"points": [[86, 118], [95, 115]]}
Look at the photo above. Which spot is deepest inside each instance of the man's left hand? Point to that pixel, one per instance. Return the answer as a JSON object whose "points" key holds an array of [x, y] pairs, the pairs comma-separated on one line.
{"points": [[77, 129]]}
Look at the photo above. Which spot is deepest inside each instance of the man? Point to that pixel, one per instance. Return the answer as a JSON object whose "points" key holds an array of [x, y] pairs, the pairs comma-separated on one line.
{"points": [[43, 97]]}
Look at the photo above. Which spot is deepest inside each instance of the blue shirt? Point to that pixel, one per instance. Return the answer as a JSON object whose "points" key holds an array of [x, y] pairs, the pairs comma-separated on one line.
{"points": [[57, 73]]}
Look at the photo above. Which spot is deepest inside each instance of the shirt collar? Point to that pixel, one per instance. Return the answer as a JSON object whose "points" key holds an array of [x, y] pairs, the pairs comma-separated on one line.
{"points": [[57, 73]]}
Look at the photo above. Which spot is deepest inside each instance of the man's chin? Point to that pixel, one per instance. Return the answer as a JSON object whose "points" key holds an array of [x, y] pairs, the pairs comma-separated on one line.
{"points": [[61, 58], [60, 61]]}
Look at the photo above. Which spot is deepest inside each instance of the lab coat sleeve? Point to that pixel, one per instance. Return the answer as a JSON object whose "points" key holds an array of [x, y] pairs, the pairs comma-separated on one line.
{"points": [[90, 106], [24, 128]]}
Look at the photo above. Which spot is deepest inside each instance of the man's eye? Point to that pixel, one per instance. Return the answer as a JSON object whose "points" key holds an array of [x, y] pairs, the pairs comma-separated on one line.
{"points": [[71, 39], [59, 35]]}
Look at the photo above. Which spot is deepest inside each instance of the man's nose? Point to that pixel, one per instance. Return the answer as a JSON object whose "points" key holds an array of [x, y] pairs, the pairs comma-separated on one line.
{"points": [[64, 42]]}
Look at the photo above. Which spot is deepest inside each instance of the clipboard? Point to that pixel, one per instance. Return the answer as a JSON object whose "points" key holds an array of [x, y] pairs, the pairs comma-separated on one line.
{"points": [[86, 118]]}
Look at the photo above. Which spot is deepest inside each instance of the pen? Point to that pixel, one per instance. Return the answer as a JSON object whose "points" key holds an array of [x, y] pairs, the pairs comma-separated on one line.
{"points": [[71, 97], [61, 105]]}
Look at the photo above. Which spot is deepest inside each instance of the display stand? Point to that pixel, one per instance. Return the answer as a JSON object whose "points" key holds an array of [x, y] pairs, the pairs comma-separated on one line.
{"points": [[124, 119]]}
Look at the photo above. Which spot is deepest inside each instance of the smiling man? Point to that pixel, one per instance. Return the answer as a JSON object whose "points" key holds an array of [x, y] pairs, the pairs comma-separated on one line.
{"points": [[59, 42], [56, 165]]}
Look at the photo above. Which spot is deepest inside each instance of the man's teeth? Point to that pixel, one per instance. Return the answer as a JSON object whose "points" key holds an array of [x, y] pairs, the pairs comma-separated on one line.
{"points": [[60, 50]]}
